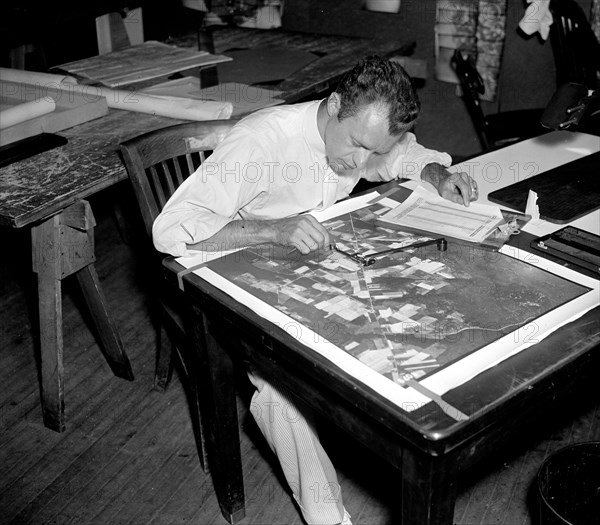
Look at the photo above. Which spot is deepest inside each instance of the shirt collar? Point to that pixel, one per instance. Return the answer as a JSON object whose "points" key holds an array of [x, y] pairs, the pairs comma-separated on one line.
{"points": [[311, 128]]}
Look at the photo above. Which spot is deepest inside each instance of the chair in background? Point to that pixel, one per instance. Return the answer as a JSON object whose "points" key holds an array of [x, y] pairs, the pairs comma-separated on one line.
{"points": [[498, 129], [576, 53], [574, 45], [577, 57], [157, 163]]}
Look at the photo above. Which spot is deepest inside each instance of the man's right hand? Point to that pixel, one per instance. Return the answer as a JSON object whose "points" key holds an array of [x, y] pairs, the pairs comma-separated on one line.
{"points": [[304, 232]]}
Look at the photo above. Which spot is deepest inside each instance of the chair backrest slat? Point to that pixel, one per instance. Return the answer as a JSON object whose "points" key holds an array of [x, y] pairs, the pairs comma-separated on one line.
{"points": [[168, 176], [157, 186], [179, 175], [190, 163]]}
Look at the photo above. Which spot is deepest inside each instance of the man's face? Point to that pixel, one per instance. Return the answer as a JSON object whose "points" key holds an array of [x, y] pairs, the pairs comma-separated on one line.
{"points": [[351, 142]]}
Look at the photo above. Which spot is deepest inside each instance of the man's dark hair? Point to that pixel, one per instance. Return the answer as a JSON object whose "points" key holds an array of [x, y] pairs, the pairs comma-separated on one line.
{"points": [[375, 80]]}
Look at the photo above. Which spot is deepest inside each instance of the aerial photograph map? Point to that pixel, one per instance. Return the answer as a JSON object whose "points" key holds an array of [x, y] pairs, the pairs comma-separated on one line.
{"points": [[411, 312]]}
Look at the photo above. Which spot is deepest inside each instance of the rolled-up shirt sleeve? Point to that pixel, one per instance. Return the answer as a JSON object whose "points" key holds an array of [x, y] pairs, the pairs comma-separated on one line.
{"points": [[211, 197], [408, 158]]}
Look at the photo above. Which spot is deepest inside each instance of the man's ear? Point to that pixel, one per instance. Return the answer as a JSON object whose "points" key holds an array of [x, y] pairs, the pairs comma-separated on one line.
{"points": [[333, 104]]}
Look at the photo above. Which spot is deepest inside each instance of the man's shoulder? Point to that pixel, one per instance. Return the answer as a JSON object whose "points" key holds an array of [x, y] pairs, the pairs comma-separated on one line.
{"points": [[278, 118], [268, 132]]}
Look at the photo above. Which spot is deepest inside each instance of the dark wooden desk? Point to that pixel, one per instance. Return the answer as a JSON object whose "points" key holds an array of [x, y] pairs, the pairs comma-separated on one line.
{"points": [[47, 192], [429, 448]]}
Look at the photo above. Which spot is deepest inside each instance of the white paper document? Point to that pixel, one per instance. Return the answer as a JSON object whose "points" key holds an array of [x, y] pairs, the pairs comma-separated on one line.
{"points": [[431, 213]]}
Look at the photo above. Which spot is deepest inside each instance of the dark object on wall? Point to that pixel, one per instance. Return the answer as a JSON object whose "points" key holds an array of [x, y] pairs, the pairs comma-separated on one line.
{"points": [[498, 129]]}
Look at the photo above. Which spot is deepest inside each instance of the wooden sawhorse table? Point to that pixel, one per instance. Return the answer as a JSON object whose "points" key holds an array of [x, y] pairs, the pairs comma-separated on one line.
{"points": [[63, 245], [47, 193]]}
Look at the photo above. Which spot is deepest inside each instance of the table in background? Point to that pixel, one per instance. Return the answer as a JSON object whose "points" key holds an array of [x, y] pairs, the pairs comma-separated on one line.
{"points": [[47, 193], [427, 447], [336, 55]]}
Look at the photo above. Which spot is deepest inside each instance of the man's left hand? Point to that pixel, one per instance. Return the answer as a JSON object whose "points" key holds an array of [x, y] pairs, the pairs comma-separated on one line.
{"points": [[456, 187], [459, 188]]}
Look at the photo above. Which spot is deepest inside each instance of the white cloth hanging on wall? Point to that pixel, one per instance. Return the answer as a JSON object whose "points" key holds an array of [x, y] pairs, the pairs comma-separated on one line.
{"points": [[537, 18]]}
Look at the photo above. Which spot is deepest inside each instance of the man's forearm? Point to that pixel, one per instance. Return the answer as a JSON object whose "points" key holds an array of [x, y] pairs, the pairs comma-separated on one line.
{"points": [[303, 232], [238, 234]]}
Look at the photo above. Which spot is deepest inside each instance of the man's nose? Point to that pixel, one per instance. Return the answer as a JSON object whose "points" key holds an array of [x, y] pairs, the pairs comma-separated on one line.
{"points": [[362, 157]]}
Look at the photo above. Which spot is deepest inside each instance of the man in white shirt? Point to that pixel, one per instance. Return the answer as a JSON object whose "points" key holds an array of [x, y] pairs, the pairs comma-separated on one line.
{"points": [[272, 168]]}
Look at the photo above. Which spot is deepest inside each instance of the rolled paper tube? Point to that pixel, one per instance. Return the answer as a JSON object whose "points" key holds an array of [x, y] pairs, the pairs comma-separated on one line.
{"points": [[34, 77], [164, 106], [174, 107], [26, 111]]}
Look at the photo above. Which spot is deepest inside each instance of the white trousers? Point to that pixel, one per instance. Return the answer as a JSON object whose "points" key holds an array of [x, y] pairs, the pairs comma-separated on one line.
{"points": [[288, 427]]}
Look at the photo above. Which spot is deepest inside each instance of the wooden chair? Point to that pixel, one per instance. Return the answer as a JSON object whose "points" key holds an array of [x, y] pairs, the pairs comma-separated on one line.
{"points": [[498, 129], [576, 53], [576, 103], [157, 163], [575, 47]]}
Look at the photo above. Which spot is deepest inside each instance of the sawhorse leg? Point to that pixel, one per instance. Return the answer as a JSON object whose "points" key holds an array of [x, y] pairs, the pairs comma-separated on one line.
{"points": [[63, 245]]}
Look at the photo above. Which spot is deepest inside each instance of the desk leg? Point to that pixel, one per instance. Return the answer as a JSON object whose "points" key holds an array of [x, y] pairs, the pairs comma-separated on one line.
{"points": [[61, 246], [428, 488], [219, 412]]}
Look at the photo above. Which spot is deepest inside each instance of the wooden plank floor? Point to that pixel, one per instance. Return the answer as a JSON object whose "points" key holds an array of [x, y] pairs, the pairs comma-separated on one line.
{"points": [[128, 454]]}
